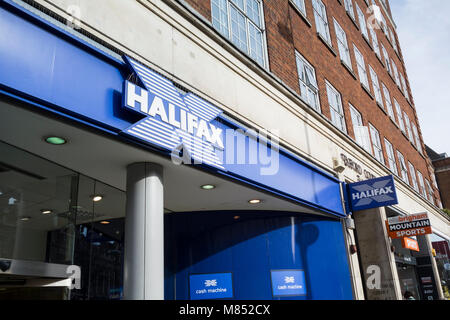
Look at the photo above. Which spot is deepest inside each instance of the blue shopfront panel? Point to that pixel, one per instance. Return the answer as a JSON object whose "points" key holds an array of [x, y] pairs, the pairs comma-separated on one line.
{"points": [[255, 246], [49, 68], [59, 72]]}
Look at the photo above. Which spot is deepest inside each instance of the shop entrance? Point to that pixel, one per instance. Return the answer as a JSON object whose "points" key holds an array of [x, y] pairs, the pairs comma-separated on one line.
{"points": [[61, 233]]}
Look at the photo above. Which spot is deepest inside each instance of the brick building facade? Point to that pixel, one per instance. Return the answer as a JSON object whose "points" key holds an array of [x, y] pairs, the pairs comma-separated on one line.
{"points": [[291, 28], [441, 164]]}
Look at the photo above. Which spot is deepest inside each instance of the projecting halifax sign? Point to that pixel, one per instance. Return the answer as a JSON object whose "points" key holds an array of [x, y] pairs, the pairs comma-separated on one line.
{"points": [[374, 193]]}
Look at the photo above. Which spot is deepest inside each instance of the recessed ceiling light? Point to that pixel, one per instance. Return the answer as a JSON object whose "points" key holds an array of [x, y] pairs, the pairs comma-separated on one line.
{"points": [[25, 219], [208, 187], [254, 201], [105, 222], [46, 211], [57, 141], [236, 217], [97, 198]]}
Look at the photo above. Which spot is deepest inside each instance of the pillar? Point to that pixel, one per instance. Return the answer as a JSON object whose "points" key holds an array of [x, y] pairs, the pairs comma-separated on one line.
{"points": [[377, 259], [144, 233]]}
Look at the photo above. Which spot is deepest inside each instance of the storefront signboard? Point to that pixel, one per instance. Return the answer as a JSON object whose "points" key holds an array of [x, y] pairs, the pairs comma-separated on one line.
{"points": [[211, 286], [374, 193], [288, 283], [407, 226], [410, 244]]}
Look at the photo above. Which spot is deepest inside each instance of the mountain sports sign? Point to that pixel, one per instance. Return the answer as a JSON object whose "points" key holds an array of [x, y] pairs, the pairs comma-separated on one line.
{"points": [[408, 226]]}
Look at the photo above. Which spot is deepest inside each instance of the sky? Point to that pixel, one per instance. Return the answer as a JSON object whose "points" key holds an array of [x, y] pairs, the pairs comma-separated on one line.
{"points": [[423, 28]]}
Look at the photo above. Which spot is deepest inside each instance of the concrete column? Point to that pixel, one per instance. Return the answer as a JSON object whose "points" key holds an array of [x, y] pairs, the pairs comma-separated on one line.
{"points": [[144, 233], [377, 259]]}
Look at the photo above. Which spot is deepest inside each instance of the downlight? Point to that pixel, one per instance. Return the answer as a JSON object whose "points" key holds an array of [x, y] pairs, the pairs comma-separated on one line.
{"points": [[56, 141], [208, 187]]}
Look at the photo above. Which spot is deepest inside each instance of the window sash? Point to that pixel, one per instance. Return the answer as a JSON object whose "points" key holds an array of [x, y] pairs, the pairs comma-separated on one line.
{"points": [[361, 68], [241, 21], [387, 98], [336, 110], [344, 51], [320, 16], [391, 157], [300, 4], [412, 172], [376, 86], [403, 168], [399, 115], [308, 82], [362, 21], [376, 144], [348, 4]]}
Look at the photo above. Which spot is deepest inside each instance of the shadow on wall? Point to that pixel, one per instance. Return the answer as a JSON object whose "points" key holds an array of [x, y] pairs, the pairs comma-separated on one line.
{"points": [[250, 245]]}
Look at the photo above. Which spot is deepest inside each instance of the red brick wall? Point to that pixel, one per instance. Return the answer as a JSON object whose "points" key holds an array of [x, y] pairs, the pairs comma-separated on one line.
{"points": [[287, 31]]}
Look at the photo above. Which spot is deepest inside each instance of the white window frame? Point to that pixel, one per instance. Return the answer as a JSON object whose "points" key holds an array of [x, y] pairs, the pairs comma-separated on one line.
{"points": [[429, 191], [376, 143], [387, 100], [386, 59], [417, 138], [405, 88], [412, 172], [300, 4], [362, 21], [376, 46], [391, 156], [408, 127], [361, 132], [229, 6], [336, 108], [403, 167], [395, 71], [423, 191], [348, 4], [362, 72], [376, 86], [320, 16], [309, 89], [399, 116], [344, 50]]}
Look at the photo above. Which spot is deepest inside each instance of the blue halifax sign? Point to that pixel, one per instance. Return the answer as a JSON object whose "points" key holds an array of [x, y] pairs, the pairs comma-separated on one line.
{"points": [[374, 193]]}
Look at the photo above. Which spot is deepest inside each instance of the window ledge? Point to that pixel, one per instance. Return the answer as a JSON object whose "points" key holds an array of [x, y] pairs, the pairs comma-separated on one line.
{"points": [[381, 107], [379, 59], [349, 70], [393, 121], [300, 13], [353, 19], [368, 42], [368, 92], [325, 42]]}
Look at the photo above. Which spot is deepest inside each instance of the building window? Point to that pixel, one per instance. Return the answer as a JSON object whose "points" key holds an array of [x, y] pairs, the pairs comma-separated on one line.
{"points": [[376, 87], [336, 110], [361, 68], [241, 21], [376, 144], [391, 157], [375, 45], [393, 41], [405, 88], [362, 21], [387, 99], [386, 59], [320, 15], [408, 127], [361, 132], [308, 82], [395, 70], [412, 172], [417, 138], [344, 51], [429, 191], [399, 115], [300, 4], [422, 185], [403, 169], [349, 8]]}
